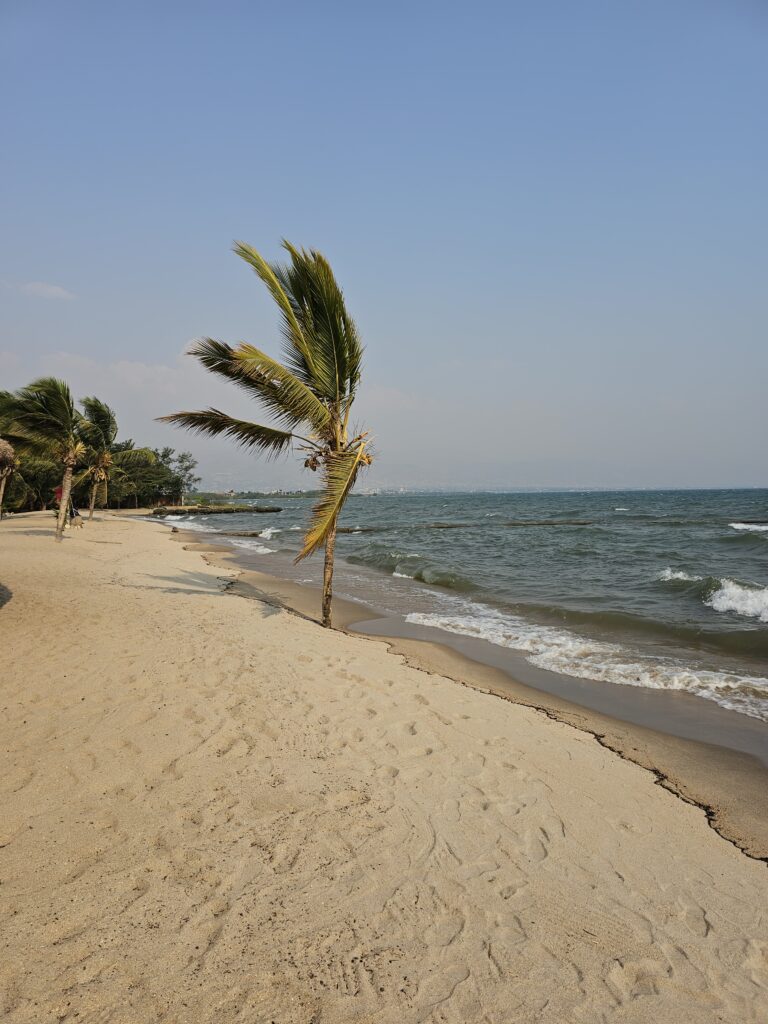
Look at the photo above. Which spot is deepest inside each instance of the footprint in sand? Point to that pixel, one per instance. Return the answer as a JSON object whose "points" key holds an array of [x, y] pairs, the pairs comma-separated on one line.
{"points": [[444, 931], [439, 987]]}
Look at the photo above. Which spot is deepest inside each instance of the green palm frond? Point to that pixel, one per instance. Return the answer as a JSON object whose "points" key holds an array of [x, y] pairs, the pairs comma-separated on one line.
{"points": [[36, 446], [218, 357], [289, 400], [134, 457], [341, 471], [41, 414], [7, 399], [249, 435], [295, 397], [82, 477], [99, 428], [292, 331], [319, 308], [23, 443]]}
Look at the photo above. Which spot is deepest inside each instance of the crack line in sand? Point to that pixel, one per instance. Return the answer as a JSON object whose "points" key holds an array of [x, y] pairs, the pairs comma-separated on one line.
{"points": [[660, 778]]}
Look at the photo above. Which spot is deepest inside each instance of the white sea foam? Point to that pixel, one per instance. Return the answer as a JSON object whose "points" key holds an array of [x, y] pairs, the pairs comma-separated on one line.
{"points": [[621, 510], [250, 545], [568, 654], [731, 596], [270, 531], [402, 576], [667, 575], [750, 527], [195, 527]]}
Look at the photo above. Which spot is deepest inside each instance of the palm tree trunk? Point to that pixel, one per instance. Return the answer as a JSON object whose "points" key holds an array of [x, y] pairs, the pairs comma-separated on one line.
{"points": [[92, 502], [66, 490], [330, 544], [3, 478]]}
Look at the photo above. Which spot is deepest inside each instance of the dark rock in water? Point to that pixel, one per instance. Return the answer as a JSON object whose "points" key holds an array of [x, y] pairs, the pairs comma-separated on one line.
{"points": [[239, 533], [214, 510]]}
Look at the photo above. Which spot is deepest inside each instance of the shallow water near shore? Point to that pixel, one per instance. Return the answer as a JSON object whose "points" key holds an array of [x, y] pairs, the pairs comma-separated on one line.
{"points": [[654, 590]]}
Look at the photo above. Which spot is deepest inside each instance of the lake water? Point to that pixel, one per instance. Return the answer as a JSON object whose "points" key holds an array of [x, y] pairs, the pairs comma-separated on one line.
{"points": [[656, 589]]}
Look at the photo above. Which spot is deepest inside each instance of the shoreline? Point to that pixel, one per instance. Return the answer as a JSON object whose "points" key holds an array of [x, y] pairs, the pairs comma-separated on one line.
{"points": [[730, 786], [211, 809]]}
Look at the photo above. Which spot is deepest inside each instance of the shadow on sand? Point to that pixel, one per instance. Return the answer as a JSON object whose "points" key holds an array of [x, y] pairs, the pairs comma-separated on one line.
{"points": [[183, 582]]}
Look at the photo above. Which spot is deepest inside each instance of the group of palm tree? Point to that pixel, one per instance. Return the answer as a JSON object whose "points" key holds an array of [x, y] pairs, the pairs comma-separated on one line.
{"points": [[309, 397], [41, 423]]}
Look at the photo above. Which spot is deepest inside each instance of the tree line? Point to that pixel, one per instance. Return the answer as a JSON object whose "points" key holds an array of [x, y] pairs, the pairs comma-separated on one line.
{"points": [[48, 443]]}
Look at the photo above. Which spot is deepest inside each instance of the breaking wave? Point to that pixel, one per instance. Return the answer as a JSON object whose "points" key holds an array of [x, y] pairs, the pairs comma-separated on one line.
{"points": [[723, 594], [569, 654], [671, 575], [250, 545], [742, 599], [410, 565]]}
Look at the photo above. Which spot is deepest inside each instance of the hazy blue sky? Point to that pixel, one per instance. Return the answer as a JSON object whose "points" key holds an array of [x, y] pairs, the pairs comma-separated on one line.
{"points": [[549, 219]]}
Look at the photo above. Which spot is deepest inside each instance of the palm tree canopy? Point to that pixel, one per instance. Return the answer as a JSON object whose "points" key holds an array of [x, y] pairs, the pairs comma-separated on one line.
{"points": [[98, 429], [313, 389], [41, 419], [320, 341], [100, 426]]}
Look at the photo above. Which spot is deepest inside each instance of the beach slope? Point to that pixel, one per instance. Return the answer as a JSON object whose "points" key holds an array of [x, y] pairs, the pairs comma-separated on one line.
{"points": [[213, 810]]}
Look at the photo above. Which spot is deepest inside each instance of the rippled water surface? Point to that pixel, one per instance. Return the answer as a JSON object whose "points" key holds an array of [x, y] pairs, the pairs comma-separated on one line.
{"points": [[667, 590]]}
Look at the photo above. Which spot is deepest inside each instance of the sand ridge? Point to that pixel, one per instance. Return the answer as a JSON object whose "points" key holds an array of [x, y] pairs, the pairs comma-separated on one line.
{"points": [[214, 811]]}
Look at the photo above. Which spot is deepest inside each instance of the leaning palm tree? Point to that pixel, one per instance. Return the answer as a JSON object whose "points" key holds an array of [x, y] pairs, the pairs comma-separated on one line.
{"points": [[102, 462], [312, 390], [8, 465], [41, 420]]}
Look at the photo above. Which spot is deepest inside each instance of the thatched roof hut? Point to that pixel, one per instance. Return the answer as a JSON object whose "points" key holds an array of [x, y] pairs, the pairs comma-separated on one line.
{"points": [[7, 458]]}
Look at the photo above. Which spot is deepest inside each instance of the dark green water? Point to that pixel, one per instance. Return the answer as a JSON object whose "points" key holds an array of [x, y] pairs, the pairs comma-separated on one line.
{"points": [[658, 589]]}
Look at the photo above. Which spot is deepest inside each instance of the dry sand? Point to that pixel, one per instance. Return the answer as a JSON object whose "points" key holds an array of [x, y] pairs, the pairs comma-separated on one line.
{"points": [[214, 811]]}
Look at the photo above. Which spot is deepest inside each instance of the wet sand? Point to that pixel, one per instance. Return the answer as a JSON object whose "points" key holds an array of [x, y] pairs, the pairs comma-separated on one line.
{"points": [[711, 757]]}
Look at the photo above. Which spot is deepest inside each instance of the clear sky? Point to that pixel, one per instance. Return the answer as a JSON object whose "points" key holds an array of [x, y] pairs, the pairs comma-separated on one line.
{"points": [[550, 221]]}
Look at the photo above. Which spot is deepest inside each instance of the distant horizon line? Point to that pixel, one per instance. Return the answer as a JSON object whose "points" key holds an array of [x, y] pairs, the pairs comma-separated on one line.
{"points": [[492, 490]]}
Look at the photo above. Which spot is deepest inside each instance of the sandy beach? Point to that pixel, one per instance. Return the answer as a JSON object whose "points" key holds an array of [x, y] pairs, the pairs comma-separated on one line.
{"points": [[213, 810]]}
